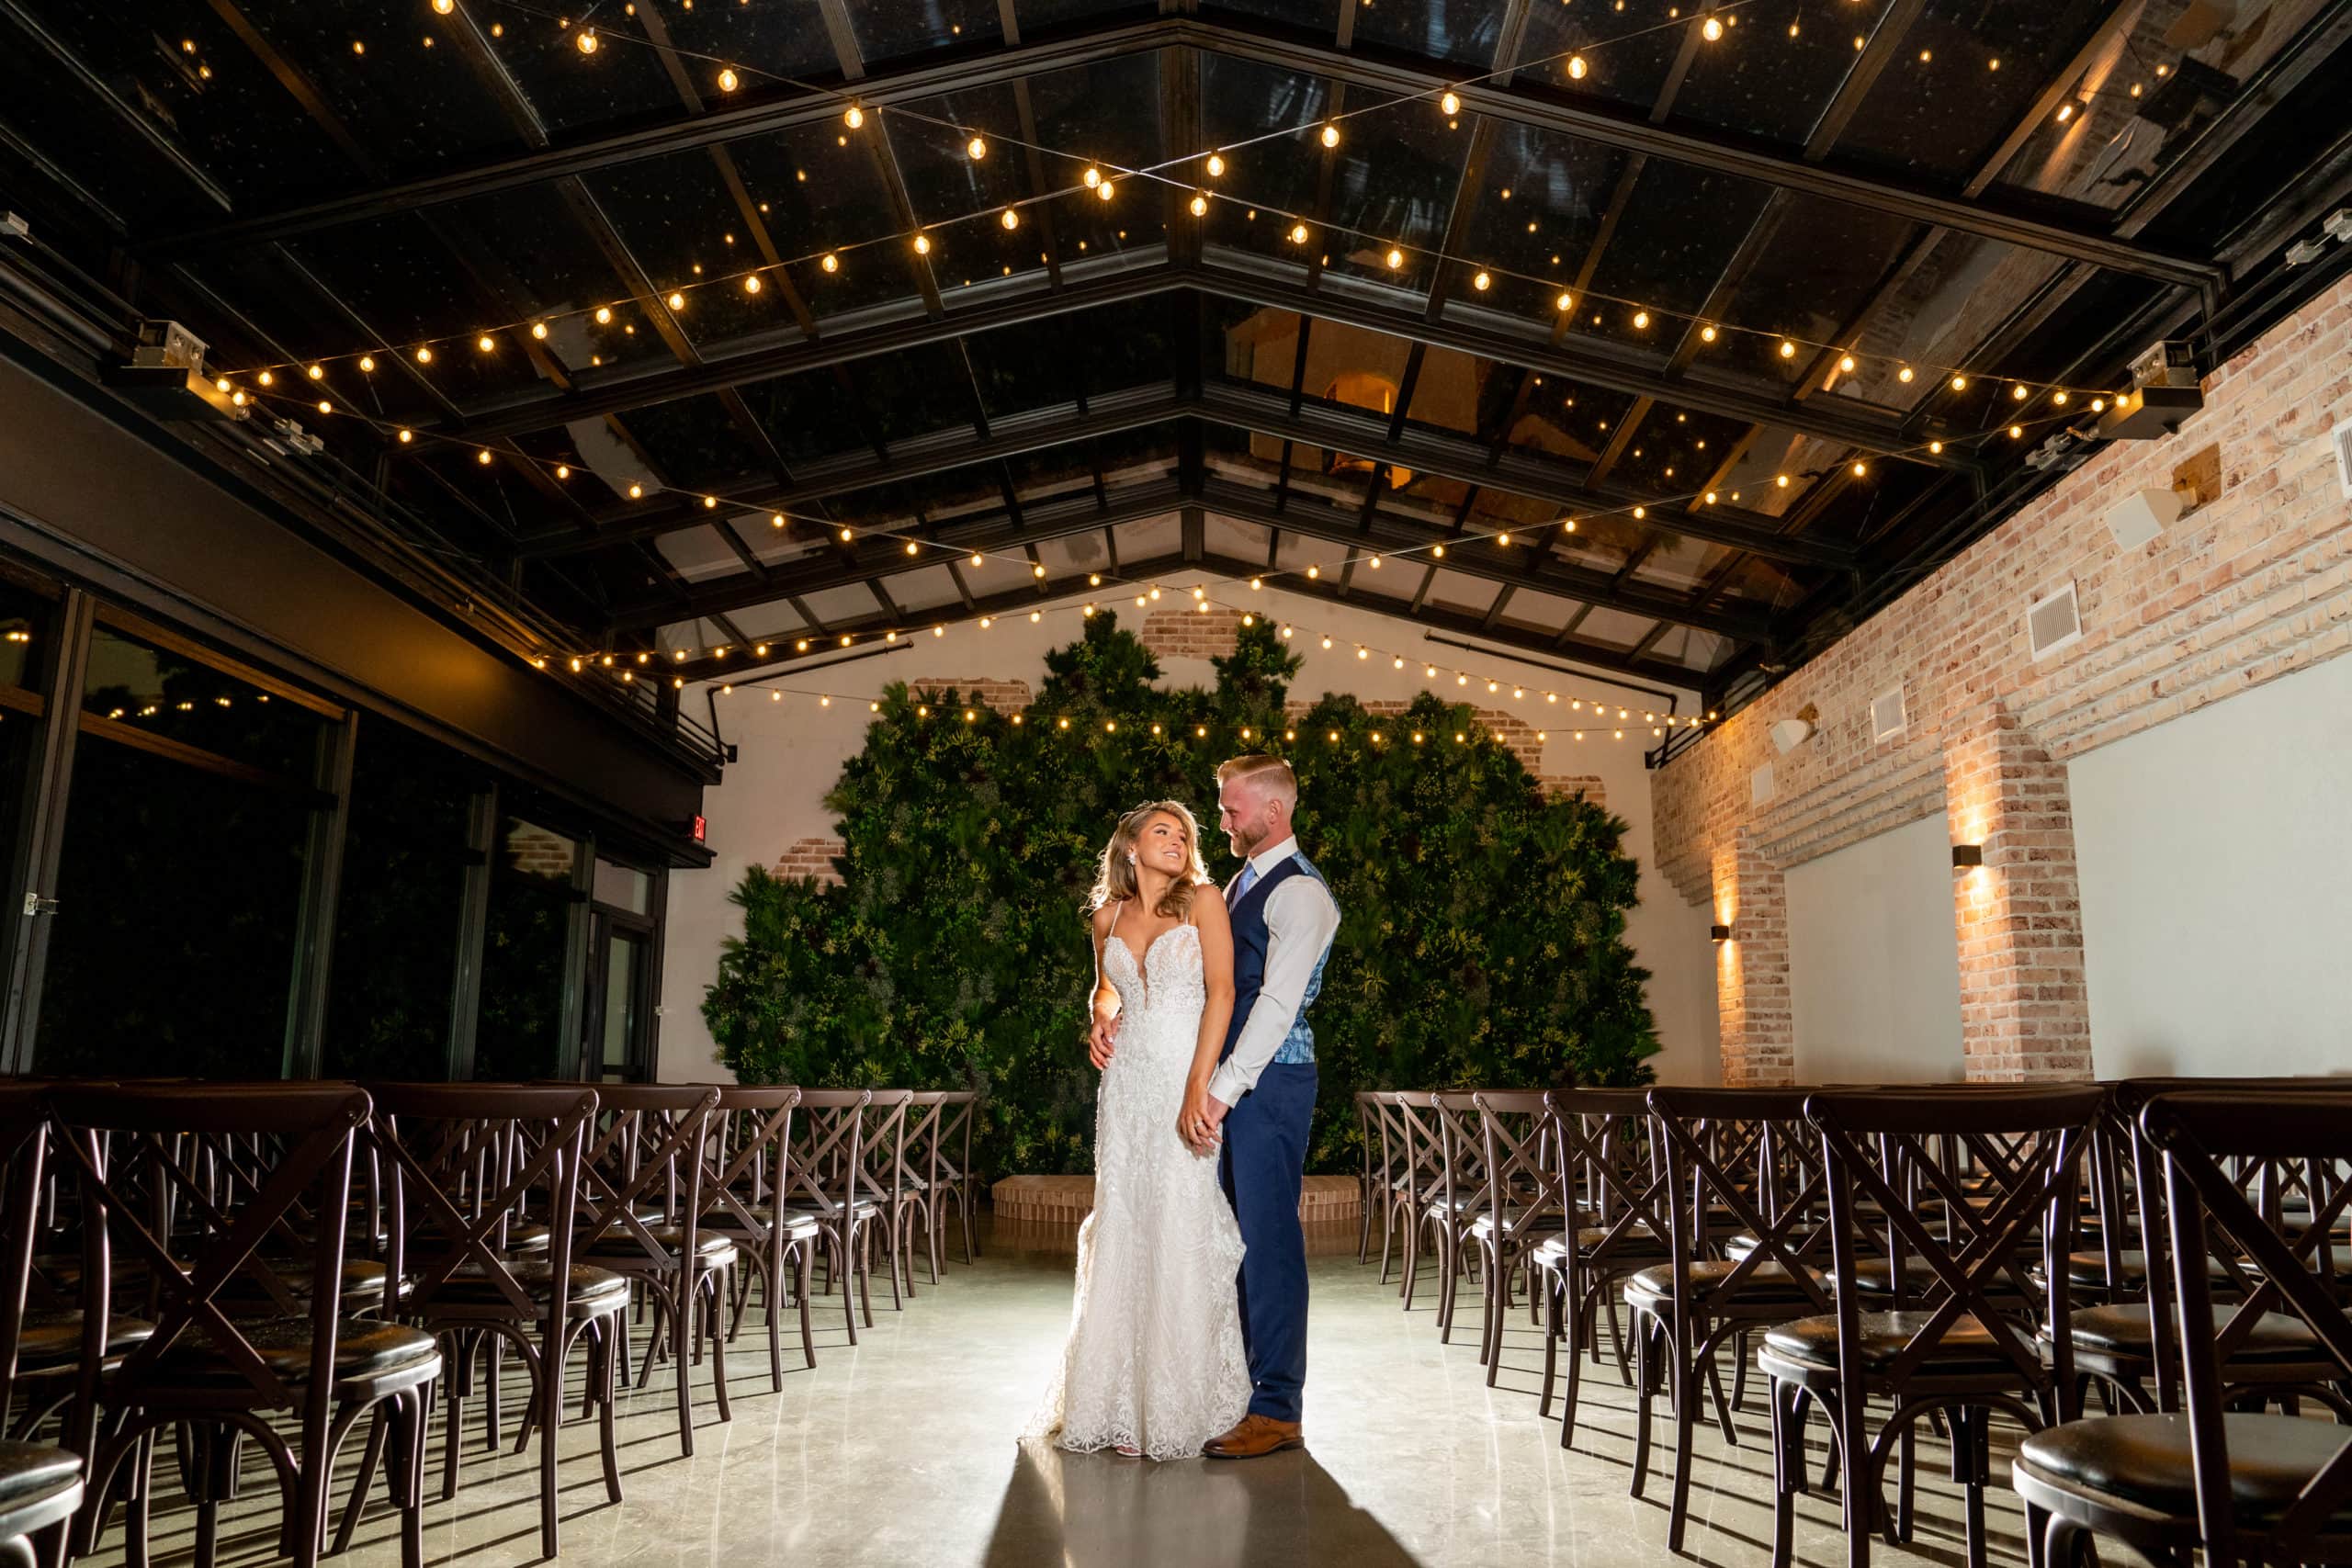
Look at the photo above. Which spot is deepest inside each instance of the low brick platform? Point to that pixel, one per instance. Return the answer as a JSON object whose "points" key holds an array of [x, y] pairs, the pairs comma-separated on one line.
{"points": [[1067, 1200]]}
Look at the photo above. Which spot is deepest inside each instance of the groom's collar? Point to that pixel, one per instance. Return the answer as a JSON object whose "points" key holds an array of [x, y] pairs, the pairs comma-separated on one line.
{"points": [[1272, 855]]}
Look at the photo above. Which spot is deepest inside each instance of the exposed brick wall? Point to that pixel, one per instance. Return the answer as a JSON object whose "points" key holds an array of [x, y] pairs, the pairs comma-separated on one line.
{"points": [[2254, 584], [2023, 1008], [1757, 1027], [1172, 632], [1004, 697], [811, 857]]}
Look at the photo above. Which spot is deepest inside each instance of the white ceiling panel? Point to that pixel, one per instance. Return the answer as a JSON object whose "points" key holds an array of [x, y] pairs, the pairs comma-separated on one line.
{"points": [[1456, 592]]}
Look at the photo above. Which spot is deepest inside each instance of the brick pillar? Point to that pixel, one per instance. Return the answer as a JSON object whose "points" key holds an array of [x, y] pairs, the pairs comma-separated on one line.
{"points": [[1756, 1028], [2024, 1012]]}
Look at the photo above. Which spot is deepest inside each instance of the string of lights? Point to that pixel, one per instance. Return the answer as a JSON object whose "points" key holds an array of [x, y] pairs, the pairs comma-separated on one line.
{"points": [[1100, 179]]}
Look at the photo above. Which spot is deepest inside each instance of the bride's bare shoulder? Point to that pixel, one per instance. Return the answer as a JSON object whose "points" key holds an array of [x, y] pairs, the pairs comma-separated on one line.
{"points": [[1208, 912], [1102, 917]]}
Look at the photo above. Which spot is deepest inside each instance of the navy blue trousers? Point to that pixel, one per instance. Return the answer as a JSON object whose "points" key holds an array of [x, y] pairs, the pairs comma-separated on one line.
{"points": [[1264, 1165]]}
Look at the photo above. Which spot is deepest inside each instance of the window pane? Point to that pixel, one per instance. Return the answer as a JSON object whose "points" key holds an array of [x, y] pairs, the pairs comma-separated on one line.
{"points": [[170, 696], [173, 944], [520, 1034], [623, 888], [396, 927]]}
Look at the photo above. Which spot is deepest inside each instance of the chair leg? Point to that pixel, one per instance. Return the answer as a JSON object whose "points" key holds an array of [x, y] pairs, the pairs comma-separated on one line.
{"points": [[682, 1311], [1686, 1422], [1551, 1341], [1572, 1302], [719, 1346], [808, 1340], [772, 1293], [1645, 1372], [1787, 1471], [372, 1455], [600, 1365], [456, 1379]]}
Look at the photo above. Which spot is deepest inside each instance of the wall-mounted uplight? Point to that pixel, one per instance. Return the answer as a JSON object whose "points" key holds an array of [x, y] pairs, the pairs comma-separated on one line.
{"points": [[1967, 857], [1719, 932]]}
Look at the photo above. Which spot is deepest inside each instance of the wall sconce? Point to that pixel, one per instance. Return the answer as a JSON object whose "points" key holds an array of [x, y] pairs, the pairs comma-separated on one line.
{"points": [[1719, 932], [1967, 857]]}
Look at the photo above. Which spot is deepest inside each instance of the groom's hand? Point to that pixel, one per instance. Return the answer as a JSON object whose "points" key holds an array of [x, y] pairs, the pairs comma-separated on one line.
{"points": [[1102, 1040]]}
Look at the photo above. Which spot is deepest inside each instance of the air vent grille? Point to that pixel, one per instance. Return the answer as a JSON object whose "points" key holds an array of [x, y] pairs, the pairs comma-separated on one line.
{"points": [[1887, 717], [2052, 622], [1759, 785], [2340, 438]]}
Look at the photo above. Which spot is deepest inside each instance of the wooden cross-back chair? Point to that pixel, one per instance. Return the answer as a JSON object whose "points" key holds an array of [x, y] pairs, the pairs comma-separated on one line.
{"points": [[1422, 1160], [1616, 1185], [40, 1484], [462, 1167], [889, 1182], [1743, 1156], [647, 1150], [1525, 1201], [747, 1172], [949, 1170], [828, 1184], [1459, 1198], [2002, 1168], [2218, 1472], [213, 1366]]}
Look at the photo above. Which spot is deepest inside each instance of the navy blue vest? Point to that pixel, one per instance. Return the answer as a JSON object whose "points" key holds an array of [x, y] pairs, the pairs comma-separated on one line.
{"points": [[1250, 943]]}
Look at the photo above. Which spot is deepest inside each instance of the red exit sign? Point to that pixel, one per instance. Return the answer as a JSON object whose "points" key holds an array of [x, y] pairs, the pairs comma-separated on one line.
{"points": [[701, 828]]}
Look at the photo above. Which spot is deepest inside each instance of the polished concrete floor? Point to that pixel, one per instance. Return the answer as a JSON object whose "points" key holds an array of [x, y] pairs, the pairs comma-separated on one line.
{"points": [[901, 1450]]}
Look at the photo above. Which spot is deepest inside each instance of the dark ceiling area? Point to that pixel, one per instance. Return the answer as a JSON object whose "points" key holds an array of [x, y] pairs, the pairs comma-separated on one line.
{"points": [[1668, 339]]}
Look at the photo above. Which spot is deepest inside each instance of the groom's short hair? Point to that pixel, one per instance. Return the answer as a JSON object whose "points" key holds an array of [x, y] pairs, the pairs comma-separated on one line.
{"points": [[1270, 774]]}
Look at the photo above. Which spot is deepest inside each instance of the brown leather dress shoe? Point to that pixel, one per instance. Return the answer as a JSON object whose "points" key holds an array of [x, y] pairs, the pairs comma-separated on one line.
{"points": [[1256, 1437]]}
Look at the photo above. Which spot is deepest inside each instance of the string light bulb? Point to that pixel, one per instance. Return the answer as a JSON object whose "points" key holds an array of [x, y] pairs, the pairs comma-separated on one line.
{"points": [[1566, 302], [586, 40], [829, 262], [1451, 103], [442, 7], [1846, 363], [677, 300], [727, 79], [1200, 205], [1093, 176], [368, 364], [1482, 282], [978, 147], [1395, 258], [1215, 164], [604, 315], [1576, 67], [1330, 135], [1641, 320], [1904, 375], [423, 356], [852, 116], [1103, 190], [1959, 383], [1298, 235], [1788, 349], [922, 244], [1012, 218], [751, 284], [318, 372], [1710, 29]]}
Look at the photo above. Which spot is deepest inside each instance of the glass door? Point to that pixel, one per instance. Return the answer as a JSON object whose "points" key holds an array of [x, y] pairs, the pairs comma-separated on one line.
{"points": [[621, 1007]]}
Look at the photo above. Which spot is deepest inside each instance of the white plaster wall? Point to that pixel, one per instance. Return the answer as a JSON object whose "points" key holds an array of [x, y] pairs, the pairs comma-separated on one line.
{"points": [[1875, 960], [792, 750], [2215, 853]]}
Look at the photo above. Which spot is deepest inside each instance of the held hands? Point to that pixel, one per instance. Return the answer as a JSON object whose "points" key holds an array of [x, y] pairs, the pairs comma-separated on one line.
{"points": [[1102, 1041], [1200, 1123]]}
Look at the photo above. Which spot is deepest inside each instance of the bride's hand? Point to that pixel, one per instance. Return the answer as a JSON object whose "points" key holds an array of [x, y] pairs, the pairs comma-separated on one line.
{"points": [[1196, 1124], [1102, 1040]]}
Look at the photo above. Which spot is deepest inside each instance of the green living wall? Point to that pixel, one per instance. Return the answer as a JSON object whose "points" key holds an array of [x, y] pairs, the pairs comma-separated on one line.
{"points": [[1482, 940]]}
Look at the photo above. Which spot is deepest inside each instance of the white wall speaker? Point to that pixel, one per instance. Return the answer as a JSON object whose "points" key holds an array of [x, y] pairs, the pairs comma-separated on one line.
{"points": [[1791, 733], [2142, 515]]}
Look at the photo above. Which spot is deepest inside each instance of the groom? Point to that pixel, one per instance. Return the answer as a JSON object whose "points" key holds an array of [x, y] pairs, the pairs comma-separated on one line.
{"points": [[1262, 1098]]}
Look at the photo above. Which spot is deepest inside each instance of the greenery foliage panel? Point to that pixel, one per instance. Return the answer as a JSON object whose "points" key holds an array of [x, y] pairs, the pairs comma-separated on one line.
{"points": [[1481, 944]]}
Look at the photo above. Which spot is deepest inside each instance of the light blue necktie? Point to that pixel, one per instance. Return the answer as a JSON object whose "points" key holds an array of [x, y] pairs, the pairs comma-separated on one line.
{"points": [[1242, 883]]}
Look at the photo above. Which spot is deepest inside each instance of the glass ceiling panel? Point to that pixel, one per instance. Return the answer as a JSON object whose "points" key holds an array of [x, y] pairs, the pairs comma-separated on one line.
{"points": [[1956, 298], [961, 195], [808, 415], [1568, 419], [1107, 111], [891, 30], [1627, 57], [780, 40], [1134, 456], [1035, 15], [400, 86], [1943, 105], [1758, 581], [384, 272], [692, 442], [818, 187], [1559, 188], [678, 221], [1393, 181], [1675, 450], [1822, 263], [215, 101], [1680, 563], [1241, 100], [1253, 344], [1770, 75], [540, 244], [1464, 30], [1314, 16], [1678, 232], [1028, 366], [571, 91], [1453, 392], [1125, 344], [915, 390]]}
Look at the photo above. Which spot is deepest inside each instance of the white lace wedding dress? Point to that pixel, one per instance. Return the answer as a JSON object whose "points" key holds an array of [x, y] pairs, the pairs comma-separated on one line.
{"points": [[1154, 1360]]}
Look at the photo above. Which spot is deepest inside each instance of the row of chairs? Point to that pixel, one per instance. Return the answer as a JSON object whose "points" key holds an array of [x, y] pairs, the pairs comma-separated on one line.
{"points": [[1936, 1256], [270, 1266]]}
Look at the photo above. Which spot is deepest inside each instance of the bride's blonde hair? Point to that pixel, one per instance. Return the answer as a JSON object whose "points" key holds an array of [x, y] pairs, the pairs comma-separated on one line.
{"points": [[1114, 877]]}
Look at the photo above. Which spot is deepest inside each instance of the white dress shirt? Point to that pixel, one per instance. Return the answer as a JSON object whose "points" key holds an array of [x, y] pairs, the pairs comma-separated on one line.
{"points": [[1301, 919]]}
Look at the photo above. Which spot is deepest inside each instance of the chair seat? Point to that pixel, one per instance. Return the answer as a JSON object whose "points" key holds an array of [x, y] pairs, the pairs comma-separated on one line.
{"points": [[623, 1246], [31, 1473], [1764, 1285], [726, 1222], [594, 1292], [51, 1337], [2087, 1271], [366, 1349], [2145, 1462], [1517, 1222], [1966, 1348], [830, 1208], [2125, 1331]]}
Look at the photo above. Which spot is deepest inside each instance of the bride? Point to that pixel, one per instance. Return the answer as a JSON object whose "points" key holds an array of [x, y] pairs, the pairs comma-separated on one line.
{"points": [[1154, 1364]]}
